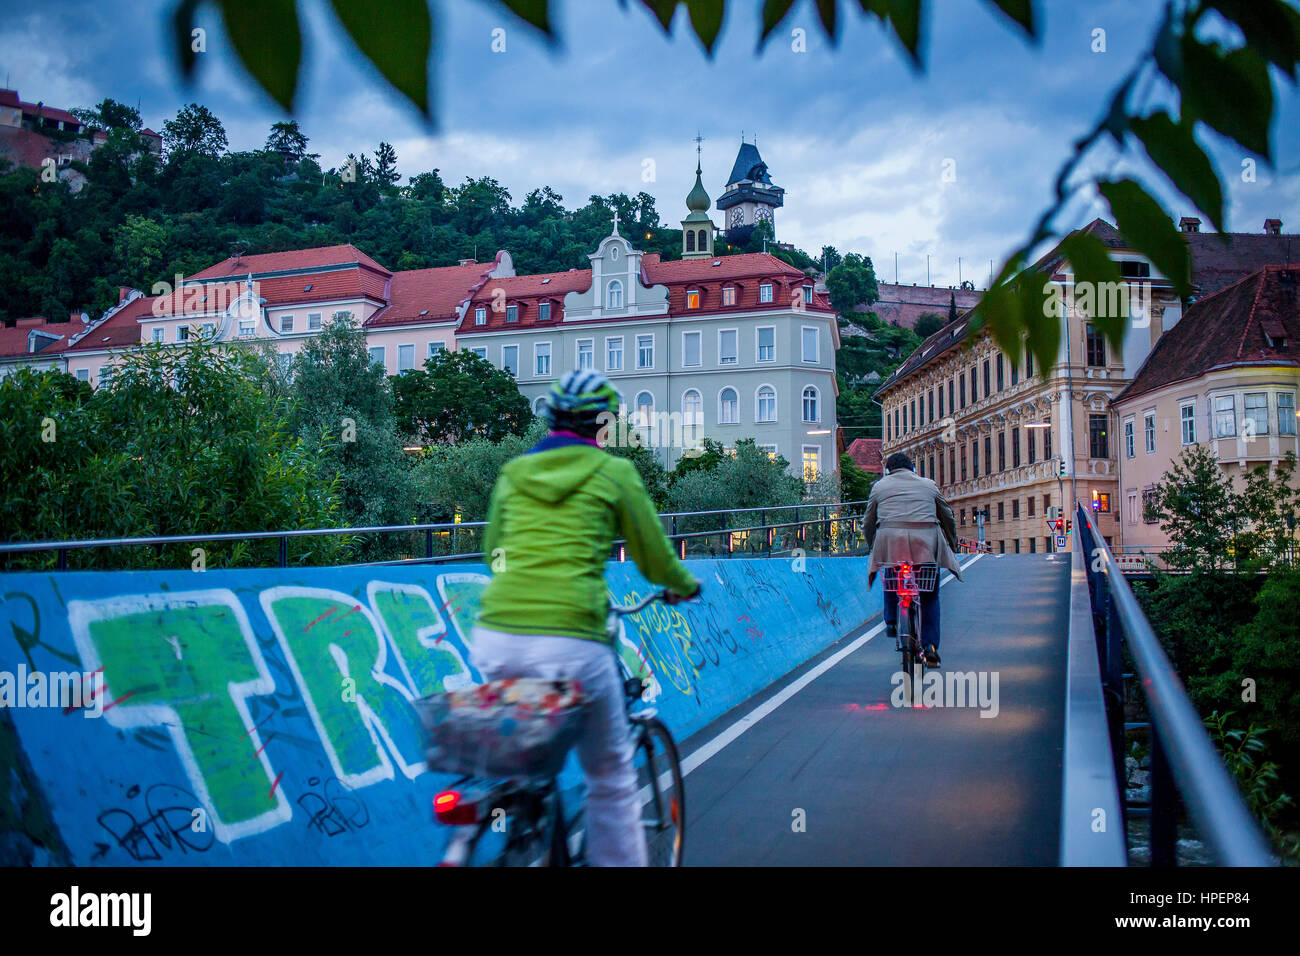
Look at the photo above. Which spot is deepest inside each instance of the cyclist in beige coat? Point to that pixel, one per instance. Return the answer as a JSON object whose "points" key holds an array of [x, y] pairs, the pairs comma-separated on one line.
{"points": [[909, 521]]}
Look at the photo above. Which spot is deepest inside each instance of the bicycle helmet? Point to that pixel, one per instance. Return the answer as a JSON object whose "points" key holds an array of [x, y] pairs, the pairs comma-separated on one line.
{"points": [[577, 401]]}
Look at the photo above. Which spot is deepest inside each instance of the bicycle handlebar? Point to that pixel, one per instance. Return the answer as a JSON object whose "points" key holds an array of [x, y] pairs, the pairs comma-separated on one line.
{"points": [[661, 595]]}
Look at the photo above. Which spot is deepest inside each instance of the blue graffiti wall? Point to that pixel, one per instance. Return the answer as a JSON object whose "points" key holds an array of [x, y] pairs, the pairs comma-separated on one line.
{"points": [[264, 716]]}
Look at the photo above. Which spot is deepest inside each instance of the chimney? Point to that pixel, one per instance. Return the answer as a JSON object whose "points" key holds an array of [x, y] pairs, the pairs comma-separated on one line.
{"points": [[468, 262], [122, 292], [1189, 224], [33, 321], [1273, 227]]}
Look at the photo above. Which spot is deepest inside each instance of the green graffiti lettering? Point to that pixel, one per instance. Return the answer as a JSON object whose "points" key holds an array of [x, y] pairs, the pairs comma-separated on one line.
{"points": [[429, 660], [327, 638], [189, 662]]}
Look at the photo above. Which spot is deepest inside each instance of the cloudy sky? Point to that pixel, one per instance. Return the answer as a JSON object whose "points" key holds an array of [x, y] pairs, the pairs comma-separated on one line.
{"points": [[859, 141]]}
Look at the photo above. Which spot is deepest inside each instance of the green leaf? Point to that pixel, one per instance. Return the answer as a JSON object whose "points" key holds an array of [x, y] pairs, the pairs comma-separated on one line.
{"points": [[1147, 228], [1039, 316], [1021, 12], [904, 18], [826, 13], [266, 36], [1271, 27], [774, 11], [396, 37], [1174, 149], [706, 17], [1096, 277], [182, 25], [1231, 92], [536, 13]]}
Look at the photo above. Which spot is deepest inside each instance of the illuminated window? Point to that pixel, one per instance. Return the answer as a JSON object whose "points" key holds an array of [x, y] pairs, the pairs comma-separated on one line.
{"points": [[693, 299], [812, 460]]}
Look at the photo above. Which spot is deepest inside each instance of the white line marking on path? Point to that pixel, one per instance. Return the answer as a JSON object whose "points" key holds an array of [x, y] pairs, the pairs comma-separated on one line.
{"points": [[697, 757]]}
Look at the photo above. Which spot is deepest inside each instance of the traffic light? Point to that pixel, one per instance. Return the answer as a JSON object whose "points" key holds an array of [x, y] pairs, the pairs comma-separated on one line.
{"points": [[1062, 468], [1068, 525], [1059, 525], [1095, 502]]}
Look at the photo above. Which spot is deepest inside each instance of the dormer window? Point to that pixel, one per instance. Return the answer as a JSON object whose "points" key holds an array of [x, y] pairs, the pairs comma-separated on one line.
{"points": [[544, 311], [807, 294], [729, 295], [693, 298], [480, 315], [765, 292], [512, 313]]}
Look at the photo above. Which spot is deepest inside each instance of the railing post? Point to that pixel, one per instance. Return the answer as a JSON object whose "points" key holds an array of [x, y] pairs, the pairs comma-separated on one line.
{"points": [[284, 551], [62, 561], [1164, 808], [428, 542], [826, 529]]}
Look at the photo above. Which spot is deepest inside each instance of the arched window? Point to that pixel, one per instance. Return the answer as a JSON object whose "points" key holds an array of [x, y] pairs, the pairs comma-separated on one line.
{"points": [[728, 407], [690, 240], [766, 404], [614, 294], [692, 408], [810, 410], [539, 404], [645, 410], [704, 242]]}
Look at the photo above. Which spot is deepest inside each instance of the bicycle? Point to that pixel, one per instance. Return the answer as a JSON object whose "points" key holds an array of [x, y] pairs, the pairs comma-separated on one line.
{"points": [[909, 582], [531, 810]]}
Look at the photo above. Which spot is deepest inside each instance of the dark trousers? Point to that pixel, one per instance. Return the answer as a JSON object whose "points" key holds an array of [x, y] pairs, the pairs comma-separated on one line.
{"points": [[929, 614]]}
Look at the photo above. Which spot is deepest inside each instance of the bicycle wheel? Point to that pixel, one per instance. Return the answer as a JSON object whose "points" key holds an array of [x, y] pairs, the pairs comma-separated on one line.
{"points": [[663, 794], [905, 630]]}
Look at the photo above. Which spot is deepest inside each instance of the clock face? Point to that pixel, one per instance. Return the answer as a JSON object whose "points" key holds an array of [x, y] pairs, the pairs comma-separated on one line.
{"points": [[763, 215], [737, 217]]}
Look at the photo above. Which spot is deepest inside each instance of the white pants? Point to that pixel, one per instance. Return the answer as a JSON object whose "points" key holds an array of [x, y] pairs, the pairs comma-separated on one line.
{"points": [[614, 830]]}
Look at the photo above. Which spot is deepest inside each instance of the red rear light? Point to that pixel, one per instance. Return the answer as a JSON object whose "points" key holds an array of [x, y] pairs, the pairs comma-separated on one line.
{"points": [[449, 808]]}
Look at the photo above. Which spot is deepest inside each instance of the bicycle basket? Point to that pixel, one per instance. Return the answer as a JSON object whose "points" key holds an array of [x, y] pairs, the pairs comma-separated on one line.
{"points": [[925, 576], [519, 728]]}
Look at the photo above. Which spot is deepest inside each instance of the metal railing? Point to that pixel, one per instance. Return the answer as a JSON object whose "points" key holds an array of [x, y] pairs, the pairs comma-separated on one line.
{"points": [[827, 528], [1184, 762]]}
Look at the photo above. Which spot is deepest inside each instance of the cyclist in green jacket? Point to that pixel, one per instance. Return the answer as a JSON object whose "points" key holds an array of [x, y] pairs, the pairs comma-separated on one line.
{"points": [[554, 516]]}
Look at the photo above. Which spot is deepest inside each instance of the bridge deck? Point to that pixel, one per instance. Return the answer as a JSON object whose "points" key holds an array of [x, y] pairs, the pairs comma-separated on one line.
{"points": [[886, 786]]}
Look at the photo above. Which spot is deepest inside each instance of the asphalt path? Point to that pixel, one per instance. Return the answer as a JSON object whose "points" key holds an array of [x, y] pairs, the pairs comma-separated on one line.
{"points": [[822, 768]]}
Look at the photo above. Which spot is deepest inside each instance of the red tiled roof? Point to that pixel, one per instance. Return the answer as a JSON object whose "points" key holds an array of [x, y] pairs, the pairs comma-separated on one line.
{"points": [[749, 264], [9, 98], [286, 261], [434, 292], [120, 330], [526, 292], [865, 453], [14, 339], [1226, 330]]}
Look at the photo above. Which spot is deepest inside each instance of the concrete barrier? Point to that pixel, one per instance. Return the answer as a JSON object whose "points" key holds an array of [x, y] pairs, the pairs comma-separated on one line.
{"points": [[264, 716]]}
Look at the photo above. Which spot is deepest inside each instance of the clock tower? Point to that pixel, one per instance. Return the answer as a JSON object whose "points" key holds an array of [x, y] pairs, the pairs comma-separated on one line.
{"points": [[750, 196]]}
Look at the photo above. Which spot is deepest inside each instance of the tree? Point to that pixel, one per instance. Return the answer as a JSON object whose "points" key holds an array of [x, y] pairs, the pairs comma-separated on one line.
{"points": [[194, 132], [747, 480], [386, 174], [952, 306], [1198, 509], [287, 140], [852, 283], [1213, 87], [185, 440], [109, 115], [855, 482], [830, 258], [457, 479], [458, 396], [341, 407], [928, 323]]}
